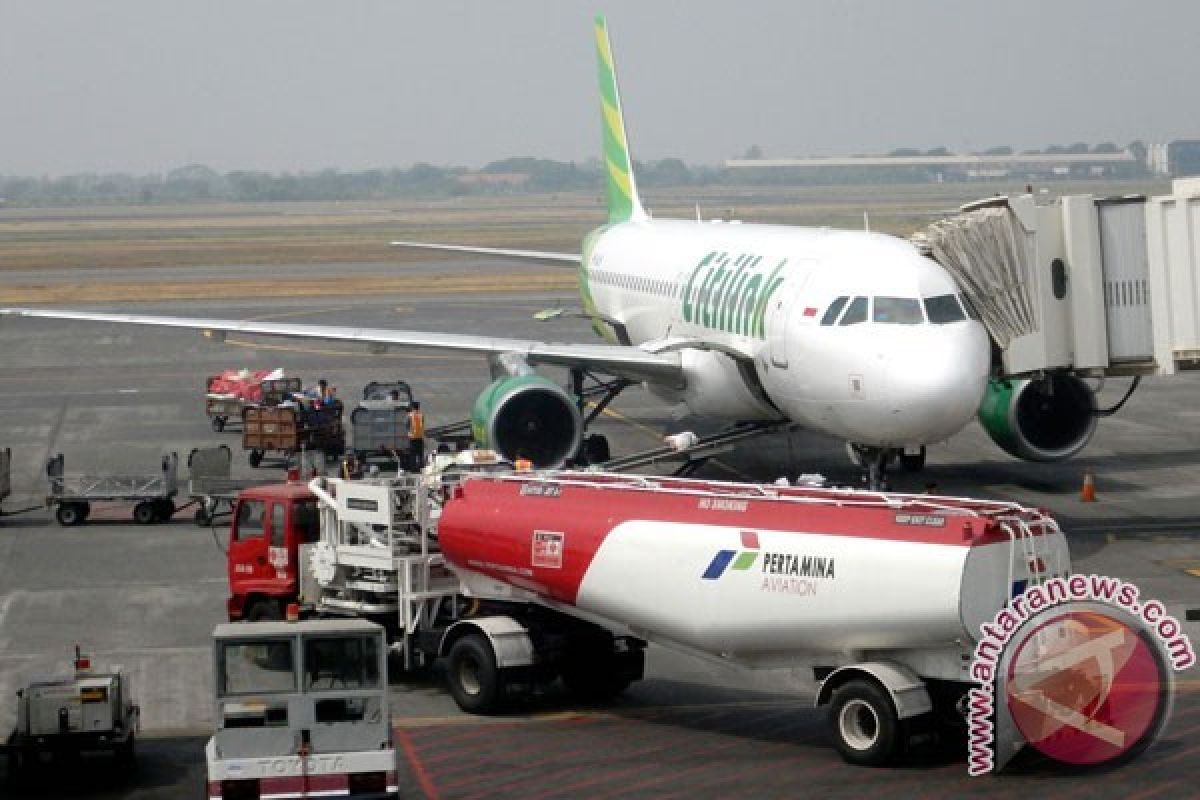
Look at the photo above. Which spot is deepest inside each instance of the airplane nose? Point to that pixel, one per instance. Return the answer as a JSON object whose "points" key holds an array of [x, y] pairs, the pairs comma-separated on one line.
{"points": [[936, 383]]}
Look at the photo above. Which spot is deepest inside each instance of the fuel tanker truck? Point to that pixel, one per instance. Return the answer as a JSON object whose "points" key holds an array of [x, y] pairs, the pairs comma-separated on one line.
{"points": [[517, 580], [881, 594]]}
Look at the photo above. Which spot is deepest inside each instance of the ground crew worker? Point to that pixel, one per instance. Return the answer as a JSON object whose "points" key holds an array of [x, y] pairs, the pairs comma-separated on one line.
{"points": [[416, 435]]}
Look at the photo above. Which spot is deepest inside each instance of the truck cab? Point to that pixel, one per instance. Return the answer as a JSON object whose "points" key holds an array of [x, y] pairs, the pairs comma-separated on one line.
{"points": [[301, 710], [269, 524]]}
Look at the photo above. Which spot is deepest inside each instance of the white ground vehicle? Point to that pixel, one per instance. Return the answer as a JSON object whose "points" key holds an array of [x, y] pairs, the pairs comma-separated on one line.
{"points": [[302, 711], [93, 709]]}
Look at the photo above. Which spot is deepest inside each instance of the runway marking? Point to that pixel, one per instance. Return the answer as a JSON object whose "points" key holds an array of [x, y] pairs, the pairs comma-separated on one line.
{"points": [[578, 714], [299, 313], [414, 760], [128, 391]]}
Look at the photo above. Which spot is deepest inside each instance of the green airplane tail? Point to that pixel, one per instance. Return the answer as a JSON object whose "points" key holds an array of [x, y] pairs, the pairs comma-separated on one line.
{"points": [[623, 202]]}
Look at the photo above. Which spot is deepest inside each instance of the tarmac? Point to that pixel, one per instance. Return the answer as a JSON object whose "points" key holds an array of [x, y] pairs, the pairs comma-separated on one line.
{"points": [[114, 399]]}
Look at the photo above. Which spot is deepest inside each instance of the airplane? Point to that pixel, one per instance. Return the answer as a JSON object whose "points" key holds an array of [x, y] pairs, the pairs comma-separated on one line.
{"points": [[853, 334]]}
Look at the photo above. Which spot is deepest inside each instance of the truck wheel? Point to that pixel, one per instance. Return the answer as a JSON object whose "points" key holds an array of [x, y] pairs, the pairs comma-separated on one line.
{"points": [[473, 675], [263, 610], [145, 512], [866, 730], [69, 514], [256, 457], [218, 424], [164, 510]]}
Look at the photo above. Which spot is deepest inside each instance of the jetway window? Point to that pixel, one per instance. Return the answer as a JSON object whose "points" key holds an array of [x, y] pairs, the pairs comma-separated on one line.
{"points": [[856, 312], [970, 309], [835, 308], [898, 311], [943, 308]]}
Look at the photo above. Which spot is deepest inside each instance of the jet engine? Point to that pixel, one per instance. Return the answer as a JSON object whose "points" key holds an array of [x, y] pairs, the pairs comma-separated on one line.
{"points": [[1048, 419], [530, 415]]}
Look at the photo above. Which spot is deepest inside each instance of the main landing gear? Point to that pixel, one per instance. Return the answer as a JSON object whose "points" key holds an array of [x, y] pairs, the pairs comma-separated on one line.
{"points": [[875, 462], [594, 448]]}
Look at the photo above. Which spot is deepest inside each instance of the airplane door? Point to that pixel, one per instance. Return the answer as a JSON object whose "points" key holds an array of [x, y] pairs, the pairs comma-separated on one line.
{"points": [[779, 320]]}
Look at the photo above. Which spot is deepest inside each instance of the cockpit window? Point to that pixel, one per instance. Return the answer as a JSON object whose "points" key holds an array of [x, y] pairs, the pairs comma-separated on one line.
{"points": [[943, 308], [835, 308], [970, 309], [856, 312], [898, 311]]}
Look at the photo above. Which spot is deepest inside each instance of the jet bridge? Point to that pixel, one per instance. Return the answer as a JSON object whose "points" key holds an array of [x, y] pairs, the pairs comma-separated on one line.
{"points": [[1093, 286]]}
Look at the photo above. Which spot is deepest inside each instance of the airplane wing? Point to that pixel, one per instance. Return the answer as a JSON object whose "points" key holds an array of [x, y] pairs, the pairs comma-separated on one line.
{"points": [[532, 255], [633, 363]]}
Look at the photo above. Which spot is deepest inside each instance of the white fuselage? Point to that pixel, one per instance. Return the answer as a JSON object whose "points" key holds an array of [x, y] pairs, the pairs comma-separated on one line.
{"points": [[748, 306]]}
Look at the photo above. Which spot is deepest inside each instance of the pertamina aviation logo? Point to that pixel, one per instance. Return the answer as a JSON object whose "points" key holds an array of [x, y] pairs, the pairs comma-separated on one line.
{"points": [[784, 573]]}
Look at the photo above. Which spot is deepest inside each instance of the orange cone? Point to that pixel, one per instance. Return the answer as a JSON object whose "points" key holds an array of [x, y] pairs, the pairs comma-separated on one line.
{"points": [[1088, 493]]}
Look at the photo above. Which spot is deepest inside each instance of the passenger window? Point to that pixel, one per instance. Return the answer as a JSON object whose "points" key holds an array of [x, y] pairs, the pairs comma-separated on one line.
{"points": [[898, 311], [835, 308], [250, 520], [943, 308], [856, 312], [277, 527]]}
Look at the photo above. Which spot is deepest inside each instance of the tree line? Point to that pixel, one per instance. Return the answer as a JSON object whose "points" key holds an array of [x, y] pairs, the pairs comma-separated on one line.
{"points": [[197, 183]]}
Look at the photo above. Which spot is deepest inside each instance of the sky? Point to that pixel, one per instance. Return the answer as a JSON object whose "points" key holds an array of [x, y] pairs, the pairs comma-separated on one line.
{"points": [[144, 86]]}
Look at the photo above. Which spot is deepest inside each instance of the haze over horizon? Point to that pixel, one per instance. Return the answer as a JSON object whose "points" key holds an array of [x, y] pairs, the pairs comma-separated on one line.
{"points": [[141, 86]]}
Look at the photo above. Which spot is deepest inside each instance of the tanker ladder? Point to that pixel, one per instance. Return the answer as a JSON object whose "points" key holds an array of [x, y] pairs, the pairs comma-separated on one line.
{"points": [[697, 454]]}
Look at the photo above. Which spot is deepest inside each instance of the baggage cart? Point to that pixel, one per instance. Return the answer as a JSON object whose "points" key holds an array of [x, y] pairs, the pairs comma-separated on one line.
{"points": [[380, 421], [152, 495], [223, 408], [290, 430], [211, 484]]}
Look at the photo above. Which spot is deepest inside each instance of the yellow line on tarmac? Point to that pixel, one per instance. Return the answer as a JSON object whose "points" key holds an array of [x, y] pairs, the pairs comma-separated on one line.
{"points": [[300, 313]]}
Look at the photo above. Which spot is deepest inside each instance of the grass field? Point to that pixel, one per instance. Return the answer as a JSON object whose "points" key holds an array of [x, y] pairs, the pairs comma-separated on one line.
{"points": [[150, 237]]}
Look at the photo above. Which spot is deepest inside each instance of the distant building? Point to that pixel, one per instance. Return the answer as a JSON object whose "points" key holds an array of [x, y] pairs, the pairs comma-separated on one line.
{"points": [[963, 167], [1178, 159]]}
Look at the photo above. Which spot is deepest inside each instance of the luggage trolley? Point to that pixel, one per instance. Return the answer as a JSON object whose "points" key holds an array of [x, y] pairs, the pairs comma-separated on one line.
{"points": [[223, 408], [152, 495]]}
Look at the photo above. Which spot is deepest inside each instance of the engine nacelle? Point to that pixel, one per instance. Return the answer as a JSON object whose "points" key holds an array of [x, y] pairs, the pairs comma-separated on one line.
{"points": [[527, 414], [1049, 419]]}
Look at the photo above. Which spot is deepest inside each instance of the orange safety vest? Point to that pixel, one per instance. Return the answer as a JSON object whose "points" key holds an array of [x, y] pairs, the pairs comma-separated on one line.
{"points": [[416, 425]]}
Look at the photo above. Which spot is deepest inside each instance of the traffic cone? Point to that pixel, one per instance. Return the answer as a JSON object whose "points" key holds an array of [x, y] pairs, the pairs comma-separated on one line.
{"points": [[1088, 493]]}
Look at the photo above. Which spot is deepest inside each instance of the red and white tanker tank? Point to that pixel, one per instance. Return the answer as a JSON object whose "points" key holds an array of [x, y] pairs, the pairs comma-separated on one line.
{"points": [[755, 574]]}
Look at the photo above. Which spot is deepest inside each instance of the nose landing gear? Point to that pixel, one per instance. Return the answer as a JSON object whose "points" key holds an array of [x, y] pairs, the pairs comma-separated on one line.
{"points": [[875, 462]]}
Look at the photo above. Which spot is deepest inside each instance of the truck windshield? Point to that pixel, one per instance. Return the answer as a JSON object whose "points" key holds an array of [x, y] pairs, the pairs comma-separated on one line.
{"points": [[341, 663], [306, 521], [256, 667]]}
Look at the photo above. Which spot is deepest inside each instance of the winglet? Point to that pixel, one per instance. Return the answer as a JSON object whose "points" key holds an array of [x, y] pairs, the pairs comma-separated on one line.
{"points": [[623, 202]]}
